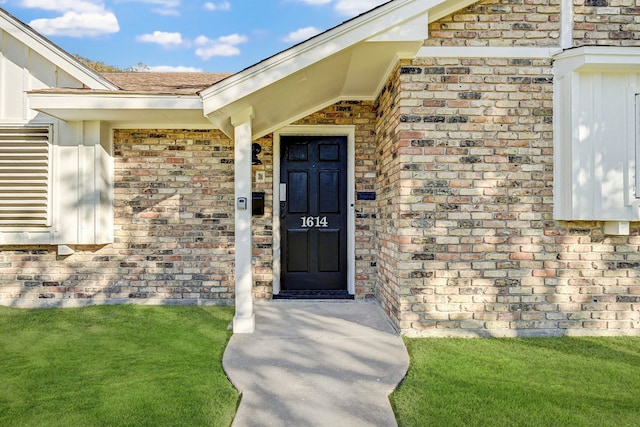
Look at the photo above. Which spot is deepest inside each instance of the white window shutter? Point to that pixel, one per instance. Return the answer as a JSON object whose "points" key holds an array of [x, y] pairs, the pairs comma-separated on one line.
{"points": [[24, 176]]}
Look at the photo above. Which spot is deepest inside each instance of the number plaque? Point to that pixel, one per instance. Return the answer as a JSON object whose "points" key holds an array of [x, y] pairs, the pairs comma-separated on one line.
{"points": [[314, 222]]}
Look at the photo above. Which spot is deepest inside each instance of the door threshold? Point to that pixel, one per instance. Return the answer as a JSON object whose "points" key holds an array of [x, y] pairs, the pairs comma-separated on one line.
{"points": [[316, 294]]}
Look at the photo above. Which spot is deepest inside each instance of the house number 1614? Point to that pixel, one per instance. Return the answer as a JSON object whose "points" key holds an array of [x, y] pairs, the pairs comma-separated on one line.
{"points": [[314, 222]]}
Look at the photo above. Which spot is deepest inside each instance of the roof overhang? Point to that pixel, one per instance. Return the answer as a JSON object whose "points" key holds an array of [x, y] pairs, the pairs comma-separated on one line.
{"points": [[352, 61], [129, 110]]}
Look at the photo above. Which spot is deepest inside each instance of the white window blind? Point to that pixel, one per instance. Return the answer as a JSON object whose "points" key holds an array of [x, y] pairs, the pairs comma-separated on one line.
{"points": [[24, 176]]}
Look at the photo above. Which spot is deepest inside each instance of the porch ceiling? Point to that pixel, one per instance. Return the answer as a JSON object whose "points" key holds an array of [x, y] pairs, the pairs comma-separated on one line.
{"points": [[357, 73]]}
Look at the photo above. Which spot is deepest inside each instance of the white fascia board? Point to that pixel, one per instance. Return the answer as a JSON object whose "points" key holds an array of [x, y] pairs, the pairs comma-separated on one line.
{"points": [[412, 30], [54, 54], [598, 58], [115, 106], [42, 101], [486, 52], [360, 29], [167, 122]]}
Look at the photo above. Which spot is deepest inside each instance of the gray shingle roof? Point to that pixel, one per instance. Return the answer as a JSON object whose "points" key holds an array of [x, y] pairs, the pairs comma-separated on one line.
{"points": [[164, 83]]}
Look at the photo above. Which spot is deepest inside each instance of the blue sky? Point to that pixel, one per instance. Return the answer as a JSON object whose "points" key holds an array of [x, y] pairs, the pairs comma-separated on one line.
{"points": [[182, 35]]}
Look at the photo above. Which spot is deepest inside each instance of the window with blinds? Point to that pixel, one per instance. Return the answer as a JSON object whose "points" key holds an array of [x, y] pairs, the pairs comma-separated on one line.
{"points": [[24, 176]]}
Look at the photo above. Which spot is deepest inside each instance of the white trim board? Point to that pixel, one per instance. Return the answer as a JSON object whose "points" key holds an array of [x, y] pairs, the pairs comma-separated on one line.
{"points": [[566, 32], [486, 52], [350, 132]]}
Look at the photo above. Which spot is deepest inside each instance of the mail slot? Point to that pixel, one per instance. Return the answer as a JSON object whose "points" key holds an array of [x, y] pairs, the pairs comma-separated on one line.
{"points": [[257, 203]]}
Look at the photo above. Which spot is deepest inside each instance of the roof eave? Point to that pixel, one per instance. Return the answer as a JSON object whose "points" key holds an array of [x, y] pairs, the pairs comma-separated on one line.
{"points": [[378, 38], [364, 27], [121, 109]]}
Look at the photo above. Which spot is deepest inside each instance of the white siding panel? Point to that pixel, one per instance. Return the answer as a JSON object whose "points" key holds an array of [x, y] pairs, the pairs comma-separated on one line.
{"points": [[65, 197], [104, 185], [13, 99], [42, 72], [563, 150], [66, 80], [603, 147]]}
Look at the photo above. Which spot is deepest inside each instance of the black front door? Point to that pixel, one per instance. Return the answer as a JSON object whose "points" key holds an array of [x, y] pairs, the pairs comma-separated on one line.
{"points": [[313, 206]]}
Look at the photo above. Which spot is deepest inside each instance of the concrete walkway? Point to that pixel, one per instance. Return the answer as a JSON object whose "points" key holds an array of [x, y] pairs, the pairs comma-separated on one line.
{"points": [[316, 363]]}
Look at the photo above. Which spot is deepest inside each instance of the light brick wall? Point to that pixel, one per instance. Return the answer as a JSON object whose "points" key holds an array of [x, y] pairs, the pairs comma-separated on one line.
{"points": [[388, 191], [606, 23], [174, 226], [478, 252], [500, 23]]}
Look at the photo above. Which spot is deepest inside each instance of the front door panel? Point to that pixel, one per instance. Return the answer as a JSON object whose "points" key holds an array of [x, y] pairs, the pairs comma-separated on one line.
{"points": [[314, 213]]}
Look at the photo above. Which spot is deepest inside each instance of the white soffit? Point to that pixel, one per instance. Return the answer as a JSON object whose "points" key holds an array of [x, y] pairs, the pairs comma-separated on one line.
{"points": [[351, 61], [53, 53]]}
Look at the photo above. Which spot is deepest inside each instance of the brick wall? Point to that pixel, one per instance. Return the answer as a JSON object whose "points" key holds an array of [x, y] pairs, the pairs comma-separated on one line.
{"points": [[479, 253], [389, 212], [500, 23], [606, 23], [174, 227]]}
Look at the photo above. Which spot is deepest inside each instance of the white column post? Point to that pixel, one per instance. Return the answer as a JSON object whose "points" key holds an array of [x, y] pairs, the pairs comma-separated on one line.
{"points": [[244, 320]]}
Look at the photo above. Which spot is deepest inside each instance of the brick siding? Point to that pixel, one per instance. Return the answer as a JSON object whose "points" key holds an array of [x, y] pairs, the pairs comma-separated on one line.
{"points": [[174, 225], [500, 23], [606, 23], [478, 252], [390, 241]]}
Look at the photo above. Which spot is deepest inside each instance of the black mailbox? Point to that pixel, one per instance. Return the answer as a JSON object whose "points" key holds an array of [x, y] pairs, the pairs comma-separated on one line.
{"points": [[258, 203]]}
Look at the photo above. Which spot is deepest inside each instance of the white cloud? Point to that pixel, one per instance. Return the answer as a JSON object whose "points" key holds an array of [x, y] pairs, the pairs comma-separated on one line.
{"points": [[161, 3], [348, 8], [172, 69], [316, 2], [162, 38], [225, 5], [167, 12], [75, 24], [79, 6], [80, 18], [301, 34], [164, 7], [222, 46], [356, 7]]}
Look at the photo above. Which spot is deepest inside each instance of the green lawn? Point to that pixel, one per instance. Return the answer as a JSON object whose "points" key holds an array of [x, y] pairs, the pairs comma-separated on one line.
{"points": [[115, 366], [161, 366], [521, 382]]}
